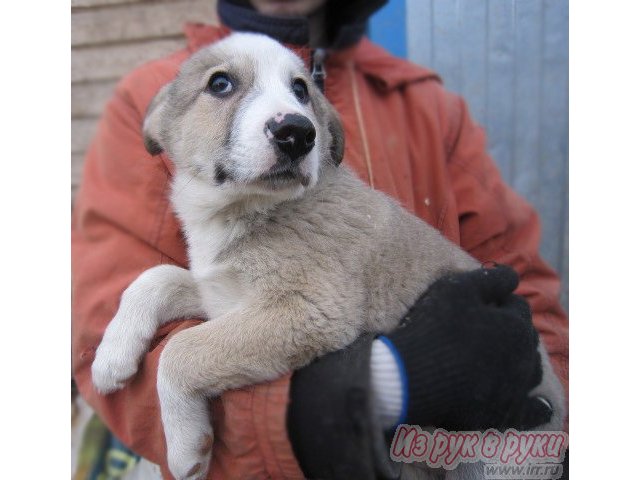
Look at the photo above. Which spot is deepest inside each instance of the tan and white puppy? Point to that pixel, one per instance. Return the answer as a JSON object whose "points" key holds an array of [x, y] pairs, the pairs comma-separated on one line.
{"points": [[291, 256]]}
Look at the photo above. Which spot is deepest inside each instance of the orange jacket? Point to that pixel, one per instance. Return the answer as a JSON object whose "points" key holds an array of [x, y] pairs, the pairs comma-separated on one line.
{"points": [[405, 135]]}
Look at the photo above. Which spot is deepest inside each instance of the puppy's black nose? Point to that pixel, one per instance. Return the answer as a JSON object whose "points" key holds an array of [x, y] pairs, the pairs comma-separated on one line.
{"points": [[293, 134]]}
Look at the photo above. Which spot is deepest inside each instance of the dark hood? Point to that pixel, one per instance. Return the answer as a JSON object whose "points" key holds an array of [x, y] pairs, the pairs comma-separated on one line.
{"points": [[346, 21]]}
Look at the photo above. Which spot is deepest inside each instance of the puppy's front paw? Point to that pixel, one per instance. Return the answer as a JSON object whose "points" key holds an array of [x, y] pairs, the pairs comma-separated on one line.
{"points": [[186, 421], [188, 460], [112, 367]]}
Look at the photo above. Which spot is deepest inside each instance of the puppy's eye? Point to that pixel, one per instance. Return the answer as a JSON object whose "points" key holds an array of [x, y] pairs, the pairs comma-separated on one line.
{"points": [[220, 84], [300, 90]]}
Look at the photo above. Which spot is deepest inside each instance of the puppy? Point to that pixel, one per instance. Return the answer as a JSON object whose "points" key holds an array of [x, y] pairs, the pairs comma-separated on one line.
{"points": [[291, 256]]}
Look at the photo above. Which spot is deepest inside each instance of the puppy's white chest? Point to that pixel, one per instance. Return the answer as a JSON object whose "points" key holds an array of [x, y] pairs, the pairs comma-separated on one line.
{"points": [[220, 285], [221, 289]]}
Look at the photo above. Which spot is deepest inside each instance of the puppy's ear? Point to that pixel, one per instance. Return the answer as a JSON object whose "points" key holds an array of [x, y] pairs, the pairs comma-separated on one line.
{"points": [[330, 118], [152, 125], [337, 136]]}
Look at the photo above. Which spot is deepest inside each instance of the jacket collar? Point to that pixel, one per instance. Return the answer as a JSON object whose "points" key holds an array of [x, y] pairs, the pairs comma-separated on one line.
{"points": [[384, 70]]}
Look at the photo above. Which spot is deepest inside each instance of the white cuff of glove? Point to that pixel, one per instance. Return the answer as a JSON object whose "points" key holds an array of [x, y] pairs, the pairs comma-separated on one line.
{"points": [[386, 385]]}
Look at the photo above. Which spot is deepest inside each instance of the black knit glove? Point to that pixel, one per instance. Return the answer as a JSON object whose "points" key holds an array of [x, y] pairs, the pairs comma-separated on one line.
{"points": [[469, 354]]}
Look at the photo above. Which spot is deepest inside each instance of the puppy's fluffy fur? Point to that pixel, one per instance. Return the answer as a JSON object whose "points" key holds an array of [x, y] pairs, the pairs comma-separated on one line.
{"points": [[285, 264]]}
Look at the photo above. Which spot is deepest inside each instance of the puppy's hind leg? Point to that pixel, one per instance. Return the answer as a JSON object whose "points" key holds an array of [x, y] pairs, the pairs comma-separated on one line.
{"points": [[157, 296]]}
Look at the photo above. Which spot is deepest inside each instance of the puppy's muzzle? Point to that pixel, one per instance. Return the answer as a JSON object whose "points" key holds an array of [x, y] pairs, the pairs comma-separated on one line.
{"points": [[293, 135]]}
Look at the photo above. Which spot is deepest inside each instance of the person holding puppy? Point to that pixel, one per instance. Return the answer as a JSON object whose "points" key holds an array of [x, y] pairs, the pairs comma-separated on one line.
{"points": [[452, 364]]}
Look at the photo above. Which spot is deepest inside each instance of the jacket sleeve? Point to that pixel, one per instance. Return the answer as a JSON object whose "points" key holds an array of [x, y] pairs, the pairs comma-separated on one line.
{"points": [[497, 225], [122, 224]]}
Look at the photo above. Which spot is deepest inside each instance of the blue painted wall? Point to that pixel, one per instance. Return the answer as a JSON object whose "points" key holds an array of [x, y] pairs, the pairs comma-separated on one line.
{"points": [[509, 60], [388, 27]]}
